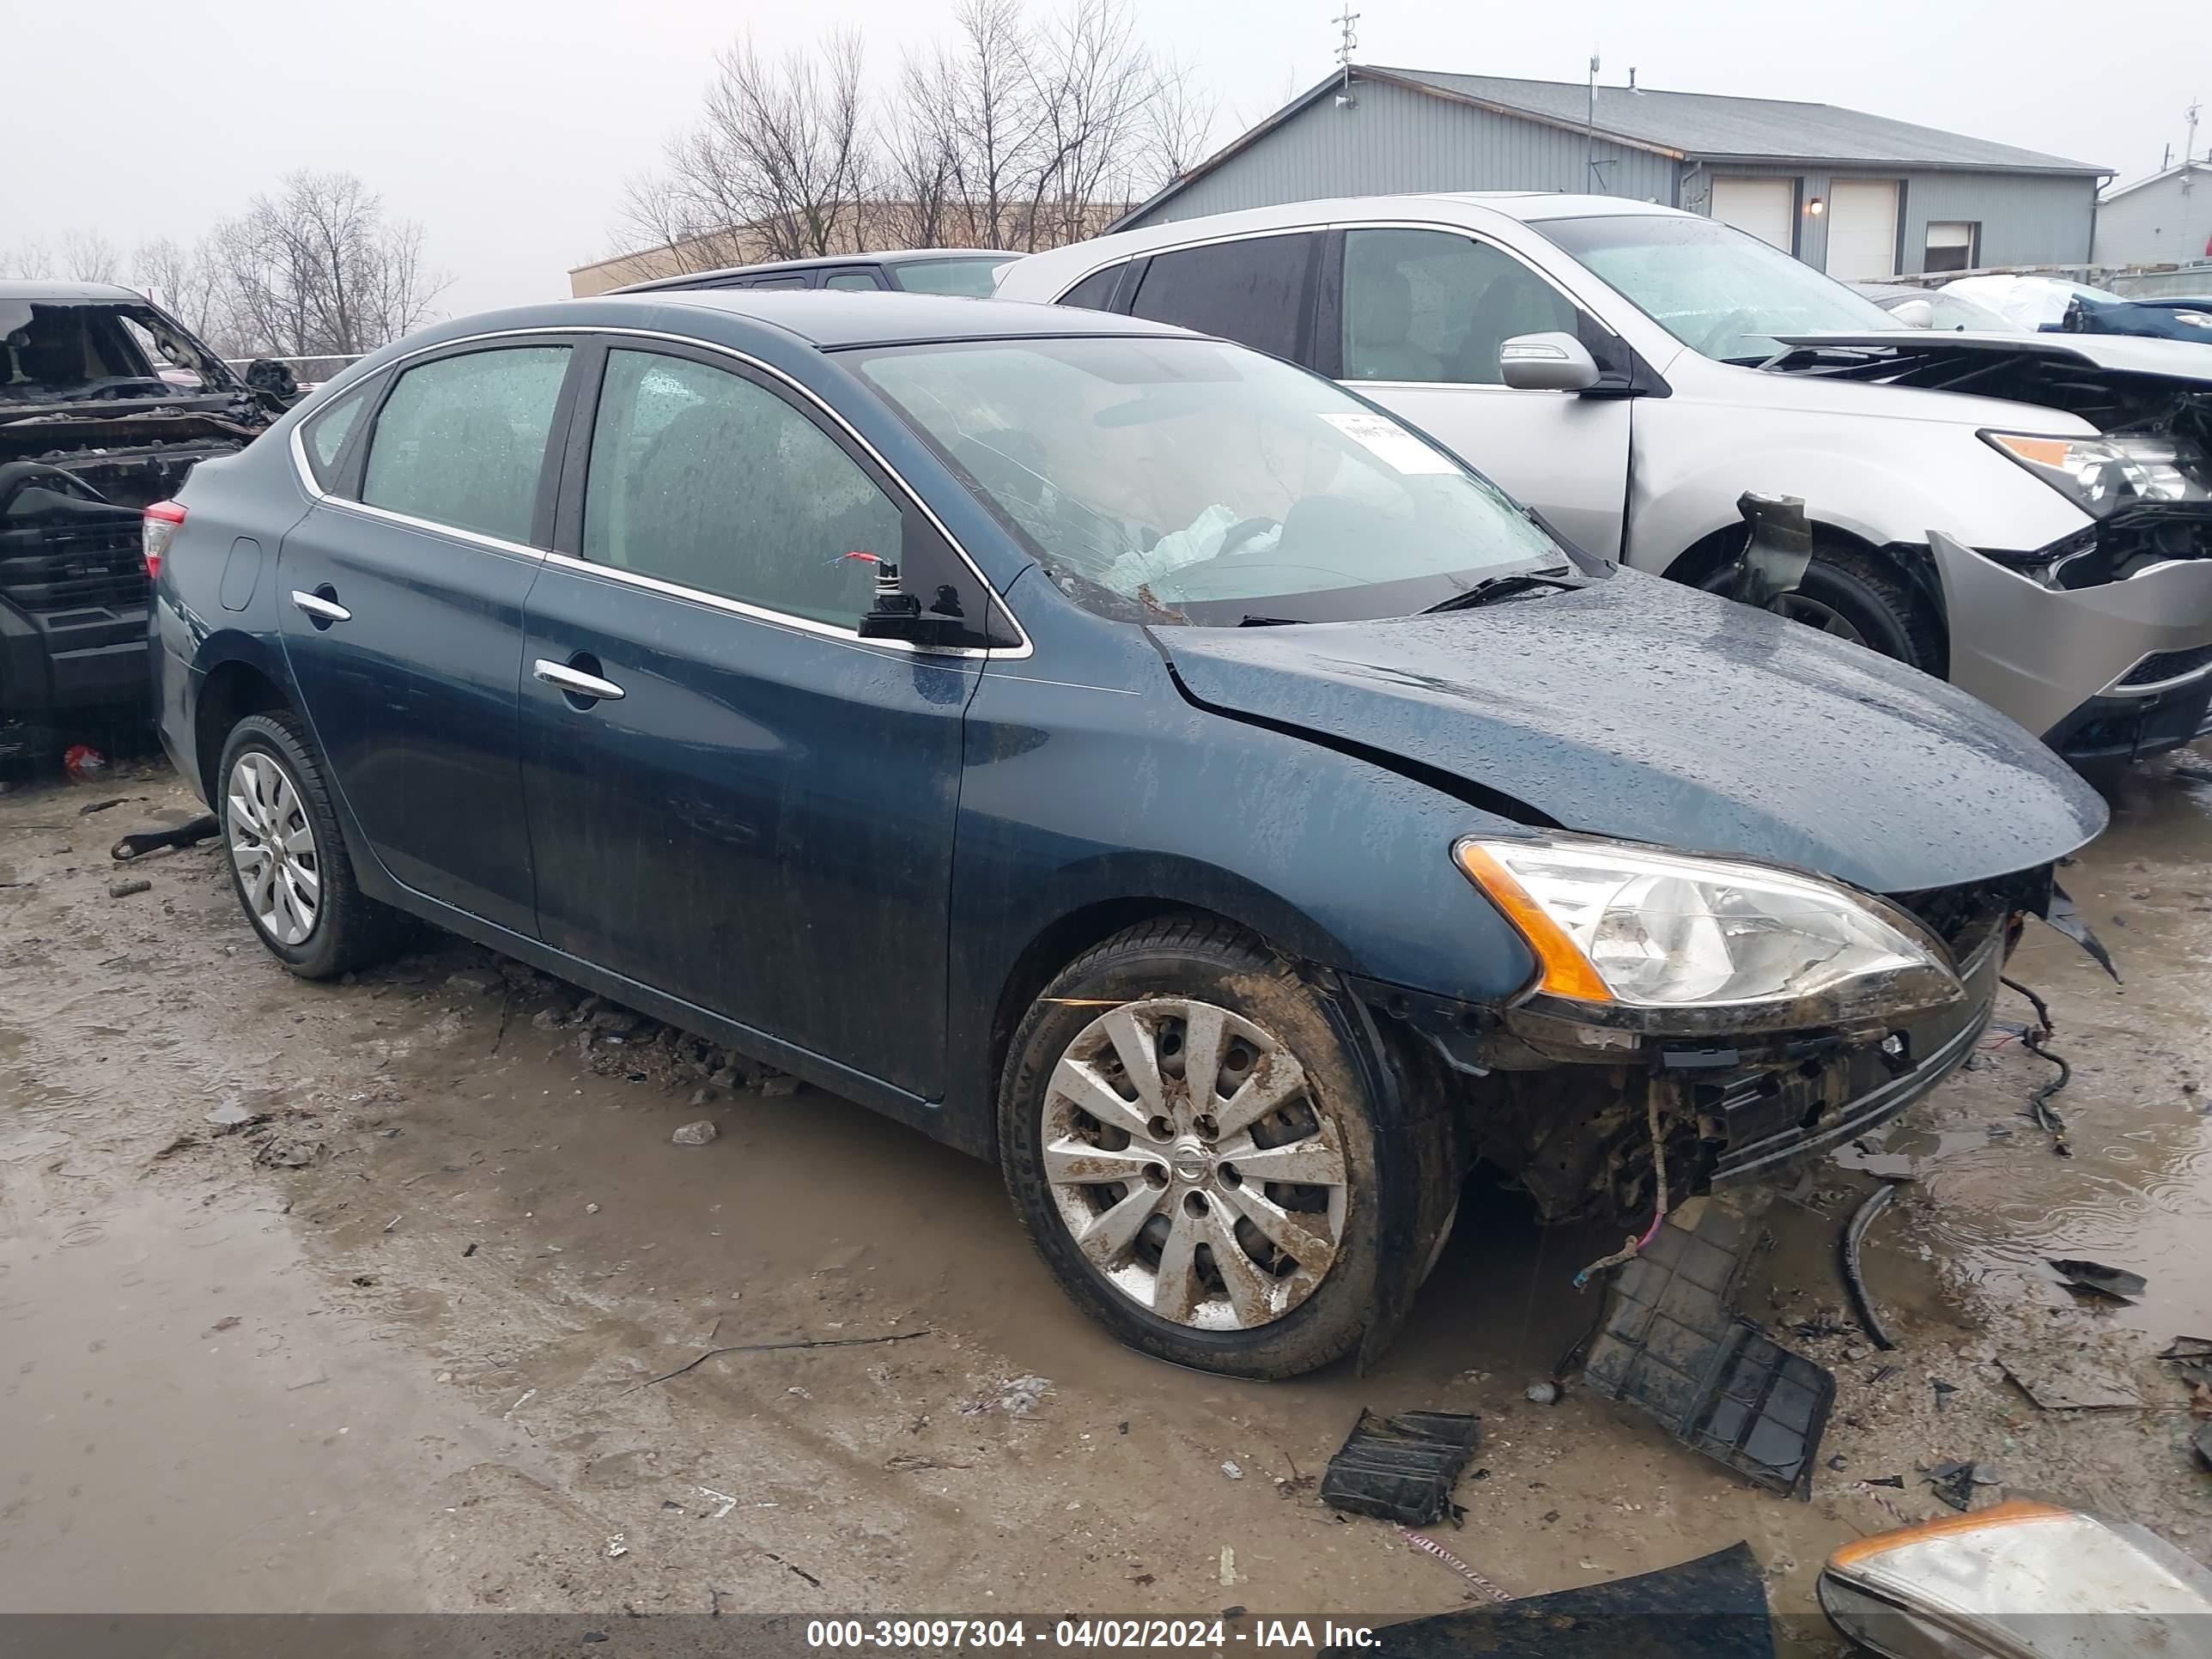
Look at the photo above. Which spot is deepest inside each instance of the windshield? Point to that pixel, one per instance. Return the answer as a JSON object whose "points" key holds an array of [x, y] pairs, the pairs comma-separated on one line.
{"points": [[971, 279], [1721, 293], [64, 353], [1183, 480]]}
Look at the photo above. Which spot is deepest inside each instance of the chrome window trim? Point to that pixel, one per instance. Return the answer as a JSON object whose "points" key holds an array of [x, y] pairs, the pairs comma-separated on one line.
{"points": [[715, 601]]}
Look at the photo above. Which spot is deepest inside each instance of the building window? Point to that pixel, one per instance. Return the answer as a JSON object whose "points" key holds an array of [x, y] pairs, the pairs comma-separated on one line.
{"points": [[1952, 245]]}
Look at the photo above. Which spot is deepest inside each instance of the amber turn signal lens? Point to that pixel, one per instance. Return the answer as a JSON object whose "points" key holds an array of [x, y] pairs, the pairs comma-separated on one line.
{"points": [[1566, 971]]}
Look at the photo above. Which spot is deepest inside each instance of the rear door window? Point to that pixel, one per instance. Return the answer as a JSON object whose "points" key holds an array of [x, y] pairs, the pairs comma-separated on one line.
{"points": [[1251, 291], [702, 477], [1095, 292], [461, 440], [1433, 306]]}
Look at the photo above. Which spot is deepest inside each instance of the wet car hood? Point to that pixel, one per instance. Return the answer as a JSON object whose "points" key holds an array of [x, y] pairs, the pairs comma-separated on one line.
{"points": [[1640, 708]]}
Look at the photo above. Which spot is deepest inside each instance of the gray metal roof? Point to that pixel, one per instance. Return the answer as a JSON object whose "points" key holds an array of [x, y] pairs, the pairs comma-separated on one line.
{"points": [[1709, 125]]}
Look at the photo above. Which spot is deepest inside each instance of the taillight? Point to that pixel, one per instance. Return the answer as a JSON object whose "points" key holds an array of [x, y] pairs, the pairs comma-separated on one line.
{"points": [[158, 529]]}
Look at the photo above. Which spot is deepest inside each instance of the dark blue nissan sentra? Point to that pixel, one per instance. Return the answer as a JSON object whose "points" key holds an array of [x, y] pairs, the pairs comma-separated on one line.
{"points": [[1113, 751]]}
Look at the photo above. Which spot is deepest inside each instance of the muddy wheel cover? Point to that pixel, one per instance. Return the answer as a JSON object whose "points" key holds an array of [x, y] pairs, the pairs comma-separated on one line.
{"points": [[1193, 1164], [272, 847]]}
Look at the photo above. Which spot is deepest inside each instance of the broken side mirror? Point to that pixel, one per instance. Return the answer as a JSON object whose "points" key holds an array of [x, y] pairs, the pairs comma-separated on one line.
{"points": [[898, 615], [1776, 551], [1551, 361]]}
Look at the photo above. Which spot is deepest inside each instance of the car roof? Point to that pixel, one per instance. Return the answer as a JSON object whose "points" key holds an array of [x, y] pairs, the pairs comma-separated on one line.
{"points": [[904, 256], [39, 288], [831, 319], [1475, 209]]}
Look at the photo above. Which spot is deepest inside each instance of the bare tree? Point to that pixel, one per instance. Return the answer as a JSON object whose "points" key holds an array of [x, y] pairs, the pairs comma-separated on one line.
{"points": [[28, 260], [186, 281], [317, 270], [990, 109], [1093, 85], [1178, 128], [920, 165], [778, 154], [89, 256]]}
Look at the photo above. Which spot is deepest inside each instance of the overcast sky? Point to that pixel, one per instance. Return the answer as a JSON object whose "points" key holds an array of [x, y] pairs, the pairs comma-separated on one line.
{"points": [[508, 127]]}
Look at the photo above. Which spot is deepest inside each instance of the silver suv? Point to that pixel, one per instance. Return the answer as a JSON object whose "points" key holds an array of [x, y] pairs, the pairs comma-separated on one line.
{"points": [[2028, 514]]}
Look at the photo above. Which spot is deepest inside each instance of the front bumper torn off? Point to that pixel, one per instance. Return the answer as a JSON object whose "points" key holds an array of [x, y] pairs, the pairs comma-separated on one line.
{"points": [[2120, 667]]}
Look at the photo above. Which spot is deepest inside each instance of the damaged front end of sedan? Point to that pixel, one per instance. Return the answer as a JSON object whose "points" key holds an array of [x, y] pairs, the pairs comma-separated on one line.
{"points": [[1724, 1017]]}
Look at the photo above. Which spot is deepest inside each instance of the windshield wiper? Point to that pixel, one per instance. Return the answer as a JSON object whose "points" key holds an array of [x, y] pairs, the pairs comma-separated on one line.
{"points": [[1270, 621], [1501, 588]]}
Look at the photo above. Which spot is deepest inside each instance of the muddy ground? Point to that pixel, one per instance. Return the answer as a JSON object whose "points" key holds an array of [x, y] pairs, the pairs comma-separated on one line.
{"points": [[393, 1294]]}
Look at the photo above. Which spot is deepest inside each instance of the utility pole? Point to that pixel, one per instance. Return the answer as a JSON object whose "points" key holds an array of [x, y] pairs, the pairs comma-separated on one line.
{"points": [[1589, 130]]}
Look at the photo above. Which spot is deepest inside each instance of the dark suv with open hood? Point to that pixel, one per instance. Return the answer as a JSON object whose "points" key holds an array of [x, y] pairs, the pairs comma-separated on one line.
{"points": [[106, 402], [1111, 750]]}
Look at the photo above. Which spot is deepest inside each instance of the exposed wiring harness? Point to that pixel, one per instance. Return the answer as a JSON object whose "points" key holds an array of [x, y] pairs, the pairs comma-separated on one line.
{"points": [[2034, 1040], [1631, 1248]]}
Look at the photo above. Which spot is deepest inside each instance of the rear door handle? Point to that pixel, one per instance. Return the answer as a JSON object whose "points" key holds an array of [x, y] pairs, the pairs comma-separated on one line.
{"points": [[322, 610], [574, 681]]}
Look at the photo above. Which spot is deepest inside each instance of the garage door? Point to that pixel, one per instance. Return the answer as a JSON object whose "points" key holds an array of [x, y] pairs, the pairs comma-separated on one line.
{"points": [[1768, 208], [1862, 229]]}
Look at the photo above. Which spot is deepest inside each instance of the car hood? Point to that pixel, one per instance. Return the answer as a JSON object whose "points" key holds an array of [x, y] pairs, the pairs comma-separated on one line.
{"points": [[2183, 361], [1640, 708]]}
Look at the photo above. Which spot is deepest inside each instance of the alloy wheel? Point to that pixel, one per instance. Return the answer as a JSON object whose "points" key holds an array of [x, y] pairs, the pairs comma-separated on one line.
{"points": [[1193, 1164], [272, 847]]}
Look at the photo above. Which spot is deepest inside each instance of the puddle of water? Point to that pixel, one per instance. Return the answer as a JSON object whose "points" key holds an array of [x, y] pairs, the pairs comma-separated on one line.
{"points": [[189, 1430]]}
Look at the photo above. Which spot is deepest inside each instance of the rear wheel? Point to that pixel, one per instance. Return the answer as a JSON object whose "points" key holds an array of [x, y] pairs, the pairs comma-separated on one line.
{"points": [[289, 864], [1193, 1152]]}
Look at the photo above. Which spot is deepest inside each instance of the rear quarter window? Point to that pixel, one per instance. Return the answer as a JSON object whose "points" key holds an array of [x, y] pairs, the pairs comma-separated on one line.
{"points": [[1248, 291]]}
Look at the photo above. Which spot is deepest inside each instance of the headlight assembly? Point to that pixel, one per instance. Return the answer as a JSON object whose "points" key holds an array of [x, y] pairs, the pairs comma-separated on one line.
{"points": [[1634, 937], [2101, 476]]}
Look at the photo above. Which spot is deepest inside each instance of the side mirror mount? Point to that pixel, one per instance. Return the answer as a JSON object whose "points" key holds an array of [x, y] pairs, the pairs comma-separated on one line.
{"points": [[1552, 361], [898, 615], [1915, 313]]}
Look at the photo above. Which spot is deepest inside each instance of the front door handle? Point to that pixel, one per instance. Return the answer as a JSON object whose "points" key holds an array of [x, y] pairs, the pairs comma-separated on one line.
{"points": [[575, 682], [324, 611]]}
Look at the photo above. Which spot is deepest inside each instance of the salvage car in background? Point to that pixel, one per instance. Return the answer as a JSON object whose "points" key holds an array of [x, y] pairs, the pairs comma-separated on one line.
{"points": [[968, 271], [976, 710], [2030, 521], [106, 402], [1935, 308], [2051, 305]]}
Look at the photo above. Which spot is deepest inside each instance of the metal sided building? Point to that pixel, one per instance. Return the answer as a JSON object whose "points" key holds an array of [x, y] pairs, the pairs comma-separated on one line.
{"points": [[1861, 196]]}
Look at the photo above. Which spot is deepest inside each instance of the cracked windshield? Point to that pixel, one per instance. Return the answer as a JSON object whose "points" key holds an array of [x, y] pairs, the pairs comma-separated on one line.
{"points": [[1205, 483]]}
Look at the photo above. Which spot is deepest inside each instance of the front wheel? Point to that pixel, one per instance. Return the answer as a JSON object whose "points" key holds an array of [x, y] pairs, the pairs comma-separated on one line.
{"points": [[1192, 1151], [1858, 598]]}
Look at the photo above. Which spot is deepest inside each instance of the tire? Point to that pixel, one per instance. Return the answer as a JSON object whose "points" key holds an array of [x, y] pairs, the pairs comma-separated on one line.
{"points": [[1153, 1270], [270, 775], [1859, 597]]}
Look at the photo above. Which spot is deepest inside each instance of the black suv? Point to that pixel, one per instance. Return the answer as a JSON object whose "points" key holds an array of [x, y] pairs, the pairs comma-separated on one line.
{"points": [[106, 402]]}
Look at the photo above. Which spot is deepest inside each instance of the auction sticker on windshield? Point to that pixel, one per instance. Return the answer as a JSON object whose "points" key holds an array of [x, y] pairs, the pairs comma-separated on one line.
{"points": [[1390, 443]]}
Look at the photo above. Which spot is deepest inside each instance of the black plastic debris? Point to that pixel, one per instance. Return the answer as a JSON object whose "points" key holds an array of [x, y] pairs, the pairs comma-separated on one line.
{"points": [[1713, 1607], [1670, 1346], [2115, 1282], [187, 833], [1402, 1468], [2068, 920], [1954, 1483]]}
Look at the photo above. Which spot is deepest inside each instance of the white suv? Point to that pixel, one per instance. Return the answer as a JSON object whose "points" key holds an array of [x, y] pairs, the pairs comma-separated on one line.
{"points": [[2029, 514]]}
